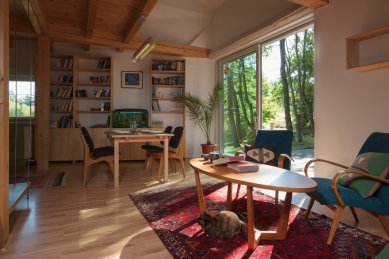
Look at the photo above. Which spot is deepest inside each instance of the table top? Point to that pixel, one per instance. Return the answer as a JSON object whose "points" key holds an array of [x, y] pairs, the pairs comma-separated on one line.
{"points": [[267, 177], [137, 135]]}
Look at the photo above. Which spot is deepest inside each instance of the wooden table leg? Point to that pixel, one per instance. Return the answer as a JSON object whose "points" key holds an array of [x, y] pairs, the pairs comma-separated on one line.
{"points": [[281, 232], [252, 234], [229, 197], [116, 163], [200, 194], [165, 157]]}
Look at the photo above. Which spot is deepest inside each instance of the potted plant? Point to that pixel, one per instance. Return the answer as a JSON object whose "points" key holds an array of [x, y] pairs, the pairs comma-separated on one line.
{"points": [[201, 113]]}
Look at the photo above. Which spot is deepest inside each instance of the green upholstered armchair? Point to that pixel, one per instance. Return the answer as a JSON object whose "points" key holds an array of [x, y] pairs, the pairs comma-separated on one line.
{"points": [[337, 196]]}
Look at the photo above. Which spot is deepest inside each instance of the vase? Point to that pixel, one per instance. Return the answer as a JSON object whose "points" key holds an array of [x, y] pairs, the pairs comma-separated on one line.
{"points": [[208, 148]]}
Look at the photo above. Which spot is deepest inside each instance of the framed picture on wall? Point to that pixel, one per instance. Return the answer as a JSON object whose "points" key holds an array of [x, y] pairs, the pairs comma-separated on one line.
{"points": [[132, 79]]}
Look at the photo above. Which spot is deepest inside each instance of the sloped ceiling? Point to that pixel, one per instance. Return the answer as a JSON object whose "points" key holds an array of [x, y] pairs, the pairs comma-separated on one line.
{"points": [[180, 27]]}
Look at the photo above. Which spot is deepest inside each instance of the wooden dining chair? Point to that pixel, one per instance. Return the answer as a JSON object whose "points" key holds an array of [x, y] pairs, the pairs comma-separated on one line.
{"points": [[94, 155], [148, 146], [176, 152]]}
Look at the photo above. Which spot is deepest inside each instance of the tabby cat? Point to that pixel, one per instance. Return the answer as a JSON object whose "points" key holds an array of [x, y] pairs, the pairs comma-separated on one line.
{"points": [[224, 224]]}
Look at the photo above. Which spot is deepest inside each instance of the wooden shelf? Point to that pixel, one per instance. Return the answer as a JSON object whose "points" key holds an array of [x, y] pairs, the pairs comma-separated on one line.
{"points": [[61, 111], [99, 70], [61, 69], [61, 98], [353, 42], [167, 72], [94, 85], [170, 86], [61, 84], [93, 111], [93, 98]]}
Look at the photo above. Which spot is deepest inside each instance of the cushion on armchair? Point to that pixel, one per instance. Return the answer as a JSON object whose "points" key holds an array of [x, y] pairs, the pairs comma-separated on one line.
{"points": [[376, 164], [263, 155]]}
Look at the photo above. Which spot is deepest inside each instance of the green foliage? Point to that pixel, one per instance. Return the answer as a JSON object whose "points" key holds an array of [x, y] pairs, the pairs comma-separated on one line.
{"points": [[201, 112]]}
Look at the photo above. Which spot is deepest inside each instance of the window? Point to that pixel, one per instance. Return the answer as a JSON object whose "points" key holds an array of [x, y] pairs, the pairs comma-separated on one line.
{"points": [[21, 99], [282, 100]]}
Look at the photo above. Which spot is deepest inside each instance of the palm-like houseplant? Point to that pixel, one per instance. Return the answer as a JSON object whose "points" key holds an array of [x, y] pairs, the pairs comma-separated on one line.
{"points": [[202, 112]]}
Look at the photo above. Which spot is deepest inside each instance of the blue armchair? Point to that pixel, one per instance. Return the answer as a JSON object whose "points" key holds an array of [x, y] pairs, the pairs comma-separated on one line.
{"points": [[281, 140], [337, 197]]}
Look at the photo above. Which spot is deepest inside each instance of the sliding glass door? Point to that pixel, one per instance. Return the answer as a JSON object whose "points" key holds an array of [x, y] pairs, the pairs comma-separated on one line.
{"points": [[239, 107], [282, 100]]}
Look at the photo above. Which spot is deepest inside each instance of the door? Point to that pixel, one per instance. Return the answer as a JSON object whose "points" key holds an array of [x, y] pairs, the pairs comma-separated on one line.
{"points": [[239, 108]]}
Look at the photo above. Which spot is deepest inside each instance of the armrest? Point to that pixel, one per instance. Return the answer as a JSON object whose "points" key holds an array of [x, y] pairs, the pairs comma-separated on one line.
{"points": [[352, 171], [321, 160], [281, 159]]}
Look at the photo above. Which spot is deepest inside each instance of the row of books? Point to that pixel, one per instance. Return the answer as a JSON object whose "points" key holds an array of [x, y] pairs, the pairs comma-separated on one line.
{"points": [[105, 106], [64, 92], [171, 80], [237, 163], [65, 121], [168, 66], [105, 80], [104, 63], [67, 106], [94, 93], [155, 105], [171, 94], [65, 79], [66, 63]]}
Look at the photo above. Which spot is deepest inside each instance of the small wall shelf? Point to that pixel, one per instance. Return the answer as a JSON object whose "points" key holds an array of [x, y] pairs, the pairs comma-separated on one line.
{"points": [[353, 60]]}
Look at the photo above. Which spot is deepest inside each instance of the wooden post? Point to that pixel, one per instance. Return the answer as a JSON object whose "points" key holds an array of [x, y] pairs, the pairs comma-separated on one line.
{"points": [[42, 114], [4, 121]]}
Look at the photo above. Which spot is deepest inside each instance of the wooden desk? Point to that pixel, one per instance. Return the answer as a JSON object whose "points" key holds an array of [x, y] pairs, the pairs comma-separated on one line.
{"points": [[267, 177], [123, 138]]}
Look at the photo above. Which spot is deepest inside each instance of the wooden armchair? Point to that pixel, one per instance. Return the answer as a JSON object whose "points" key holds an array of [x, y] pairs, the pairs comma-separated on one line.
{"points": [[336, 196], [94, 155]]}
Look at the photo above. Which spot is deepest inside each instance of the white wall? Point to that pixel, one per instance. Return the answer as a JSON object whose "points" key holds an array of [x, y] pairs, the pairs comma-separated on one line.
{"points": [[348, 105], [199, 81]]}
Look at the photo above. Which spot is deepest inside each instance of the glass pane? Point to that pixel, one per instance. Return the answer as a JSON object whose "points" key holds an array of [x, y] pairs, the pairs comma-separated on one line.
{"points": [[287, 87], [21, 99], [239, 102]]}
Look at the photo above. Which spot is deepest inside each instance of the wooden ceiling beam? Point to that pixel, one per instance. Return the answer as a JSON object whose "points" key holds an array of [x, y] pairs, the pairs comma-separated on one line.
{"points": [[90, 23], [139, 18], [36, 16], [162, 48], [314, 4]]}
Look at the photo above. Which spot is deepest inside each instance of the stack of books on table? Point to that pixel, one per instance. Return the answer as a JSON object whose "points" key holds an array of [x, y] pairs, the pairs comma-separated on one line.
{"points": [[243, 166], [225, 160]]}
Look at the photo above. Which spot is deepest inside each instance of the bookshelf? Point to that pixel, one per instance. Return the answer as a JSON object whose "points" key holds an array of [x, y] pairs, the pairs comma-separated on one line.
{"points": [[167, 80], [92, 91], [61, 91], [80, 90]]}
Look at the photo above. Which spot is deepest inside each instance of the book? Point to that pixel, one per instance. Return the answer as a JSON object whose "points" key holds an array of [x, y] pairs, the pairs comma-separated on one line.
{"points": [[243, 166], [225, 160]]}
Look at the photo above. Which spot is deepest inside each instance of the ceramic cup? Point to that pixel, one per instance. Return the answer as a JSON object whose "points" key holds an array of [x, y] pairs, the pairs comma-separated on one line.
{"points": [[214, 156], [205, 156]]}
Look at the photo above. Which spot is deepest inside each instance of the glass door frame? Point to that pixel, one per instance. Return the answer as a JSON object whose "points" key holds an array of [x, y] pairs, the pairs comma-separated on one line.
{"points": [[220, 115]]}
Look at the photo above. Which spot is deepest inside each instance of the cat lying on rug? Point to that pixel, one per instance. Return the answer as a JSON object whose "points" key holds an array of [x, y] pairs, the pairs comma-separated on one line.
{"points": [[224, 224]]}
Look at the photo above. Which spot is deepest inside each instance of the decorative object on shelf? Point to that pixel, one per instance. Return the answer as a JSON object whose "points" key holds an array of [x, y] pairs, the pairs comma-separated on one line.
{"points": [[143, 50], [132, 79], [201, 113]]}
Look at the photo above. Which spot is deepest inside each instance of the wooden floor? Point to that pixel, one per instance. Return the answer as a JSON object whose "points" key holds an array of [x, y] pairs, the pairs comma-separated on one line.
{"points": [[67, 222]]}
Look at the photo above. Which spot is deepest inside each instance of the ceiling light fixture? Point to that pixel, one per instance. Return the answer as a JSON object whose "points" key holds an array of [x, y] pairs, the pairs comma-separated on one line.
{"points": [[143, 50]]}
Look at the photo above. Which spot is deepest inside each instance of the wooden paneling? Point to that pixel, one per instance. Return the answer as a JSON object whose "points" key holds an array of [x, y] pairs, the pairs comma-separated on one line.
{"points": [[35, 15], [62, 144], [42, 115], [90, 24], [78, 147], [4, 131], [314, 4]]}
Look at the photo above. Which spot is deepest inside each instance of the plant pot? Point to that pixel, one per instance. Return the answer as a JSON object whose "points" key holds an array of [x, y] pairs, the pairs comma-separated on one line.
{"points": [[208, 148]]}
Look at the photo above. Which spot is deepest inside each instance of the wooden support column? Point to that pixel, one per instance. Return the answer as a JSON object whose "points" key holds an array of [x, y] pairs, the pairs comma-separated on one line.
{"points": [[4, 121], [42, 107]]}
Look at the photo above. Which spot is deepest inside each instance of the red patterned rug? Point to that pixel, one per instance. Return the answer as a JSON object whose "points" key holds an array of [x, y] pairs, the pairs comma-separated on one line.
{"points": [[173, 216]]}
